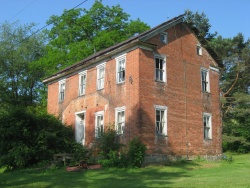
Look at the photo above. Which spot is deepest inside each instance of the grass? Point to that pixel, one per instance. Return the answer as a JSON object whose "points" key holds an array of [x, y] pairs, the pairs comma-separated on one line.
{"points": [[180, 174]]}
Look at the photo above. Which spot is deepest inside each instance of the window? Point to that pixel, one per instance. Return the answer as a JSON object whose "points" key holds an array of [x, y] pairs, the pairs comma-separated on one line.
{"points": [[120, 120], [62, 90], [164, 38], [160, 68], [120, 69], [205, 80], [100, 76], [207, 122], [82, 82], [161, 120], [199, 49], [99, 126]]}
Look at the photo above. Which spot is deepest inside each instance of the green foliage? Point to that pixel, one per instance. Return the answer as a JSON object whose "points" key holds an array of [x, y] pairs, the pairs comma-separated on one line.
{"points": [[200, 23], [113, 155], [27, 138], [107, 143], [20, 70], [79, 33], [136, 152], [235, 144]]}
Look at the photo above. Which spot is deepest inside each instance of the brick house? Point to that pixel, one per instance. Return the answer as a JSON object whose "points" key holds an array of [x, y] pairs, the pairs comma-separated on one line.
{"points": [[161, 85]]}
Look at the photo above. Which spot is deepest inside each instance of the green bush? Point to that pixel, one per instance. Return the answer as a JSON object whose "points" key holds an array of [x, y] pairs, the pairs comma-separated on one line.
{"points": [[136, 152], [112, 154], [235, 144], [107, 143], [28, 138]]}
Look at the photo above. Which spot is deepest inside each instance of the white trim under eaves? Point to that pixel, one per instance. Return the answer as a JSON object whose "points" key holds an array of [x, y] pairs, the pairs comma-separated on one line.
{"points": [[214, 69]]}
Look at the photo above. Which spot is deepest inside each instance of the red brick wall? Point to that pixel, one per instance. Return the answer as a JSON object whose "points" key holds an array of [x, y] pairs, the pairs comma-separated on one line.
{"points": [[181, 94]]}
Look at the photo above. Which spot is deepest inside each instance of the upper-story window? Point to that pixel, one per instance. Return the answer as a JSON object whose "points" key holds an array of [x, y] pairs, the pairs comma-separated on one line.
{"points": [[99, 123], [205, 80], [120, 69], [160, 68], [161, 120], [120, 120], [207, 123], [62, 89], [82, 82], [198, 49], [100, 76], [164, 38]]}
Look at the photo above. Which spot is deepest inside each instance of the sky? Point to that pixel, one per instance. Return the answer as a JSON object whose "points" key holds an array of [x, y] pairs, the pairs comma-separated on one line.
{"points": [[227, 17]]}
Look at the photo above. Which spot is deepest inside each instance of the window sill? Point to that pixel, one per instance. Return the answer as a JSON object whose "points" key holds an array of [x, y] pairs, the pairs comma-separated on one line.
{"points": [[120, 83], [208, 139], [160, 81], [100, 89], [207, 92], [161, 135]]}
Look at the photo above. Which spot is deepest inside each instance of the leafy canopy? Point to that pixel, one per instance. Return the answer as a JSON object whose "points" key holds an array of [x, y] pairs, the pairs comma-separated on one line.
{"points": [[20, 71], [79, 33]]}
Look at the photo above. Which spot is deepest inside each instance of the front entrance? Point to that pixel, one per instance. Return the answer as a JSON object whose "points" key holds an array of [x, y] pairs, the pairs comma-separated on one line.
{"points": [[80, 127]]}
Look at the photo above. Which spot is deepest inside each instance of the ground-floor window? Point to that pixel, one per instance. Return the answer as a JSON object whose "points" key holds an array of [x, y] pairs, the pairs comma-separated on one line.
{"points": [[120, 120], [207, 123], [99, 123], [161, 120]]}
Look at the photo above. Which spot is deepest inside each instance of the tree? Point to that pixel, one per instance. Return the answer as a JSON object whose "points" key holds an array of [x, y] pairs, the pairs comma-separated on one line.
{"points": [[20, 71], [235, 88], [200, 24], [79, 33]]}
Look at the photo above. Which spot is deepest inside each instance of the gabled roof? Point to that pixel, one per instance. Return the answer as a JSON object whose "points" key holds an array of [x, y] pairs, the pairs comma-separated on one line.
{"points": [[141, 38]]}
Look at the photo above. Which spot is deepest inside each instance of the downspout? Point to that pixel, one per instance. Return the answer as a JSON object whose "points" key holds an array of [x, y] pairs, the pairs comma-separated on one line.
{"points": [[185, 91]]}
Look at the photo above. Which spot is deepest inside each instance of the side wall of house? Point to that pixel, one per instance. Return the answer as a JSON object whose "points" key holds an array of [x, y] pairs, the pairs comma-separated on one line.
{"points": [[182, 95]]}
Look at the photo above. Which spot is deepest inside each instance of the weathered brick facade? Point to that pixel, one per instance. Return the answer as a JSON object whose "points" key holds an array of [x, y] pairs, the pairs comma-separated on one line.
{"points": [[181, 93]]}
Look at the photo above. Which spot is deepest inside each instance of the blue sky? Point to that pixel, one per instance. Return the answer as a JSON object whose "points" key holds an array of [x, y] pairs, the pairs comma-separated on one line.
{"points": [[227, 17]]}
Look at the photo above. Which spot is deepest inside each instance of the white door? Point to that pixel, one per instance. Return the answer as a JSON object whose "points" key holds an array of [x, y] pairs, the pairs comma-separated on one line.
{"points": [[80, 128]]}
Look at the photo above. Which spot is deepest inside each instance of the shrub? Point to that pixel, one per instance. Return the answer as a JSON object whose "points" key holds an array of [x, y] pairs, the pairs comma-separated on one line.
{"points": [[112, 154], [136, 152], [28, 138], [107, 143], [235, 144]]}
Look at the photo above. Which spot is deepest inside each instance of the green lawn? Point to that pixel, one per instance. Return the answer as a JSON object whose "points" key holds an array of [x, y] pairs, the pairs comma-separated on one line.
{"points": [[190, 174]]}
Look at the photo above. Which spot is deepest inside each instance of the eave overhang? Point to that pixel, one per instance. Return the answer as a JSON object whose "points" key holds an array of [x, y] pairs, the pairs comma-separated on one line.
{"points": [[98, 57]]}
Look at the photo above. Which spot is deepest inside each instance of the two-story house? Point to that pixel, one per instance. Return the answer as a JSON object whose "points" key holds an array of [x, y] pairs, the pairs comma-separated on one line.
{"points": [[160, 85]]}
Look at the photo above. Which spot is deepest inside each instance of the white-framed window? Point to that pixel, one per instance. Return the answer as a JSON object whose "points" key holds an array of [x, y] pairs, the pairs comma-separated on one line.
{"points": [[160, 68], [164, 38], [99, 123], [100, 75], [207, 123], [205, 85], [161, 120], [121, 69], [82, 82], [62, 84], [120, 120], [198, 49]]}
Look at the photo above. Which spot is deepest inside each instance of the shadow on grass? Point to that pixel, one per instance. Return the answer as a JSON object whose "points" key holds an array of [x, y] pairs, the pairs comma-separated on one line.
{"points": [[151, 176]]}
